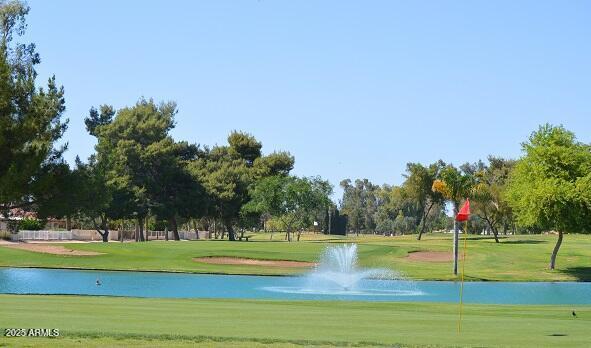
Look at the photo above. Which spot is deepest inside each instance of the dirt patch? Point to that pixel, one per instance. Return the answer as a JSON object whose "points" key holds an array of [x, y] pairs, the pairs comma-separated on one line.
{"points": [[430, 256], [220, 260], [49, 249]]}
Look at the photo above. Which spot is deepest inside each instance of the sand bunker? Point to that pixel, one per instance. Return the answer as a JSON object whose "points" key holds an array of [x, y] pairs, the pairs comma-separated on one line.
{"points": [[49, 249], [252, 262], [430, 256]]}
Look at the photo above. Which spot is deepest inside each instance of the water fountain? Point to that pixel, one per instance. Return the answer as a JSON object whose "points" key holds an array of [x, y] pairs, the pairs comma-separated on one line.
{"points": [[338, 270], [337, 274]]}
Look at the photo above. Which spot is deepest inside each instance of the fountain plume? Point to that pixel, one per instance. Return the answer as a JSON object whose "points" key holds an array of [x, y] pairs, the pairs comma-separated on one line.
{"points": [[338, 274], [338, 270]]}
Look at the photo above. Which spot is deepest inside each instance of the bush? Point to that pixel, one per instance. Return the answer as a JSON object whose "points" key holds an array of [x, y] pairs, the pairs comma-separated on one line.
{"points": [[5, 235], [385, 226], [30, 224], [158, 225]]}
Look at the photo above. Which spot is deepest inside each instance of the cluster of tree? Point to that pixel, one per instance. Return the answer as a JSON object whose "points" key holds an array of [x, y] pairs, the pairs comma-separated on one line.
{"points": [[419, 203], [550, 186], [138, 171], [548, 189], [389, 209], [293, 203]]}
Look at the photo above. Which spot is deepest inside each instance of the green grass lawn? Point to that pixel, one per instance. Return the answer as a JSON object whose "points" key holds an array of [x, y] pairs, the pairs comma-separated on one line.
{"points": [[111, 321], [515, 258]]}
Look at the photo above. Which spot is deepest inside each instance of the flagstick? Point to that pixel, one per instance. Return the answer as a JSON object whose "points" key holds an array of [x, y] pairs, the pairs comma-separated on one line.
{"points": [[462, 276]]}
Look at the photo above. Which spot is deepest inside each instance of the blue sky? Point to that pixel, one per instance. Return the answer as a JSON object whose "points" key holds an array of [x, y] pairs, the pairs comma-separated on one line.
{"points": [[353, 89]]}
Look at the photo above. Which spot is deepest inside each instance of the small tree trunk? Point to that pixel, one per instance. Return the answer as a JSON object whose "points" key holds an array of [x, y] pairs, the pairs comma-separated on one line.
{"points": [[103, 229], [105, 236], [105, 233], [230, 228], [424, 221], [492, 227], [166, 234], [495, 233], [422, 230], [555, 251], [175, 228], [140, 234]]}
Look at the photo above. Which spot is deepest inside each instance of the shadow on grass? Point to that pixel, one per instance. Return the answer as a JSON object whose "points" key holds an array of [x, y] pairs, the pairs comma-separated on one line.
{"points": [[481, 238], [505, 240], [581, 273], [449, 236], [523, 241]]}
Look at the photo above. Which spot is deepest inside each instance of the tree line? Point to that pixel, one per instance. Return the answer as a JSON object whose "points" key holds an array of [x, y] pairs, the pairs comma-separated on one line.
{"points": [[420, 203]]}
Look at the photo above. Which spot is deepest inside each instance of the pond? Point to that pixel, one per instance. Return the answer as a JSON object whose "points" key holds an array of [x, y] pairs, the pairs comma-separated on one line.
{"points": [[179, 285]]}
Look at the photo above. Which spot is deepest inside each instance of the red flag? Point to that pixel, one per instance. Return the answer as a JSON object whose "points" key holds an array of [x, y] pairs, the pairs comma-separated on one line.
{"points": [[464, 213]]}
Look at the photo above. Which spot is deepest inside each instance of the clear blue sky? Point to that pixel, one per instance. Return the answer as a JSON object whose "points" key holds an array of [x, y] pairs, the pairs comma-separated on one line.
{"points": [[351, 88]]}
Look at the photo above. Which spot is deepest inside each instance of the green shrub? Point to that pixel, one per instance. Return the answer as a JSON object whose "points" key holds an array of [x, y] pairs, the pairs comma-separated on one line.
{"points": [[30, 224]]}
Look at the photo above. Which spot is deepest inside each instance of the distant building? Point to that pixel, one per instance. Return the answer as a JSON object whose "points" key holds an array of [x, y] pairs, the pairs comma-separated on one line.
{"points": [[10, 222]]}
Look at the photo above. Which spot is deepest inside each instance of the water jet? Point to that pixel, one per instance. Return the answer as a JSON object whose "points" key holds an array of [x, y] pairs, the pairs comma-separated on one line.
{"points": [[338, 274]]}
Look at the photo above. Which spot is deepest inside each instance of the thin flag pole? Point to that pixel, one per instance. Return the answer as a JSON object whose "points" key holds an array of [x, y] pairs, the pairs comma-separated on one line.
{"points": [[462, 276]]}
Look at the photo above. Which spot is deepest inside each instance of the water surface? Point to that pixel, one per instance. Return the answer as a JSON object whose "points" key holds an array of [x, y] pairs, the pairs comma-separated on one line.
{"points": [[176, 285]]}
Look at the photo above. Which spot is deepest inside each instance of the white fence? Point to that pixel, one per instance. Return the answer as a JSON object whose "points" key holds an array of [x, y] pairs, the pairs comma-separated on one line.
{"points": [[88, 235], [42, 235], [92, 235]]}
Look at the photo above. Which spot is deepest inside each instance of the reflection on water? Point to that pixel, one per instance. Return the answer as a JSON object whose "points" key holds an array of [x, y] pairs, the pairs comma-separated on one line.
{"points": [[344, 292]]}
